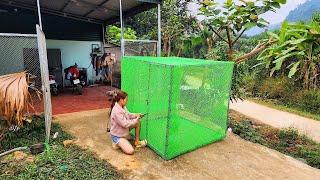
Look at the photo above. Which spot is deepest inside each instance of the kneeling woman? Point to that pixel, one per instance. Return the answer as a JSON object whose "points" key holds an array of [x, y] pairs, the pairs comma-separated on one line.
{"points": [[122, 121]]}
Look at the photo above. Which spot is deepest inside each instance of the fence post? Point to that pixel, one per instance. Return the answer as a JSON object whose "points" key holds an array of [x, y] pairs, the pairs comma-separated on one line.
{"points": [[159, 31], [42, 48]]}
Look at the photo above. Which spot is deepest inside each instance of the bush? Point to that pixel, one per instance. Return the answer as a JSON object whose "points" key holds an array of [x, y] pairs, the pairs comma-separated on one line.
{"points": [[68, 163], [289, 136], [29, 134], [280, 88], [287, 141], [308, 100], [246, 131], [58, 163], [311, 155], [249, 79], [299, 146], [64, 163]]}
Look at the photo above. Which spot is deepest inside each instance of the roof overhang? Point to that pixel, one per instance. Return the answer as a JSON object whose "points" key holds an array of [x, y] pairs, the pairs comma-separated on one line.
{"points": [[95, 11]]}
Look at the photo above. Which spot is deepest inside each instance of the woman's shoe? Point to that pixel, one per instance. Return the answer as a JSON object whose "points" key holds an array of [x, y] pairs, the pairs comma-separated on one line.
{"points": [[140, 144]]}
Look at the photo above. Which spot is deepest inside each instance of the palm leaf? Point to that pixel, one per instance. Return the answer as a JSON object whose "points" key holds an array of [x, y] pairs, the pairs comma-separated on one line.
{"points": [[14, 98]]}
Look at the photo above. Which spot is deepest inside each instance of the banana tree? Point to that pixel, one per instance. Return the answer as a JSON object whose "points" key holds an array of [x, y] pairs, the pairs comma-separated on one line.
{"points": [[297, 53]]}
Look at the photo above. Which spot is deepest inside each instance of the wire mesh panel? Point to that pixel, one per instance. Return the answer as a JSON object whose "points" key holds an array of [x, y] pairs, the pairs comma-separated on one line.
{"points": [[186, 101], [140, 47], [19, 52], [158, 109], [45, 80], [199, 105], [139, 95], [27, 52]]}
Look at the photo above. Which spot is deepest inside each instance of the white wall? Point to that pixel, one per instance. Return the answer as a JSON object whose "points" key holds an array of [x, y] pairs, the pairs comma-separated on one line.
{"points": [[75, 52]]}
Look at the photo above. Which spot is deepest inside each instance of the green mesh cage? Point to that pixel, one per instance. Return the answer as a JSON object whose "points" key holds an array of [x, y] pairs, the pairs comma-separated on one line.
{"points": [[186, 101]]}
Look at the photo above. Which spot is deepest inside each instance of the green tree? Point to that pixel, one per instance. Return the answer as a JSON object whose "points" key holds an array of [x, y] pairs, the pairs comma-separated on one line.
{"points": [[230, 21], [176, 23], [199, 44], [316, 17], [113, 34]]}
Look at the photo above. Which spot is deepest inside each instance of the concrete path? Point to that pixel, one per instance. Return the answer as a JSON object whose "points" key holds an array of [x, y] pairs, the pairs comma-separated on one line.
{"points": [[232, 158], [278, 119]]}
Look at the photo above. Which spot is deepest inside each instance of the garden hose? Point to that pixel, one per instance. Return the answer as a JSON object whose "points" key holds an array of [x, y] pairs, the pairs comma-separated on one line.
{"points": [[13, 150], [34, 149]]}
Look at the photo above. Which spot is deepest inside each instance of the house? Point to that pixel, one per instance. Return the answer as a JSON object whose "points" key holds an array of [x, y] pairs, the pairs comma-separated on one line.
{"points": [[72, 28]]}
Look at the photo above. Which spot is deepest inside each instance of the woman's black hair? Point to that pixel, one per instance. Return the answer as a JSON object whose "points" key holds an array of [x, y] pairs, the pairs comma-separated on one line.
{"points": [[117, 96]]}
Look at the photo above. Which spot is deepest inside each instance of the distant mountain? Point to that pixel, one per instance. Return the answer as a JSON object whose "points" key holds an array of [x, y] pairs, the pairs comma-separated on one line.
{"points": [[304, 11], [256, 30]]}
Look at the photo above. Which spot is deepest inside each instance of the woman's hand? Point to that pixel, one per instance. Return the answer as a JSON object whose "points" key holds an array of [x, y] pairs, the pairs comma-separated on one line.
{"points": [[140, 115]]}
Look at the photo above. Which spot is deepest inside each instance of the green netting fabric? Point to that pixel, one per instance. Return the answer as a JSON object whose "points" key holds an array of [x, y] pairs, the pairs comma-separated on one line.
{"points": [[186, 101]]}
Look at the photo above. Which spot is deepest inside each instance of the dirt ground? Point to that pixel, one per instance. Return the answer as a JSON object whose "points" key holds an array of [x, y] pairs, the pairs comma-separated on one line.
{"points": [[232, 158]]}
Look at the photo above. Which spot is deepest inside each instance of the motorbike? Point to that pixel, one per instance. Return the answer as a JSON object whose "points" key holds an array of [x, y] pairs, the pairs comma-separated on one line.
{"points": [[76, 83], [53, 85]]}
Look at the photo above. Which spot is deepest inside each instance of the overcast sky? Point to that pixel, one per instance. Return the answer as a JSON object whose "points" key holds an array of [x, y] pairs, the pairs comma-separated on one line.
{"points": [[273, 18]]}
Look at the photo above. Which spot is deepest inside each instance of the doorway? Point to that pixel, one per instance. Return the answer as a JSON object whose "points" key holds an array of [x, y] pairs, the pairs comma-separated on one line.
{"points": [[55, 66]]}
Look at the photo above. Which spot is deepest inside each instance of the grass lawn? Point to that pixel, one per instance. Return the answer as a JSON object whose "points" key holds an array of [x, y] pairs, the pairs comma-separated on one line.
{"points": [[60, 162], [276, 105]]}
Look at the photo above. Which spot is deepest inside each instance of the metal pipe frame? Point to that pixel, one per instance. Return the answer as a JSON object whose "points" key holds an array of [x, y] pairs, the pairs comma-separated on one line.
{"points": [[142, 40], [18, 35], [39, 14], [130, 40], [122, 30], [159, 31]]}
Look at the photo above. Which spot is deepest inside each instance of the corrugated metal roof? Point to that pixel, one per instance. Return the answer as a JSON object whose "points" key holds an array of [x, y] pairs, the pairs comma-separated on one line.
{"points": [[151, 1], [98, 11], [18, 20]]}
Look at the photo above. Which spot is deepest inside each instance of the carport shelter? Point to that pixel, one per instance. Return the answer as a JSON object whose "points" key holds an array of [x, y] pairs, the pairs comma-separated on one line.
{"points": [[72, 27]]}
